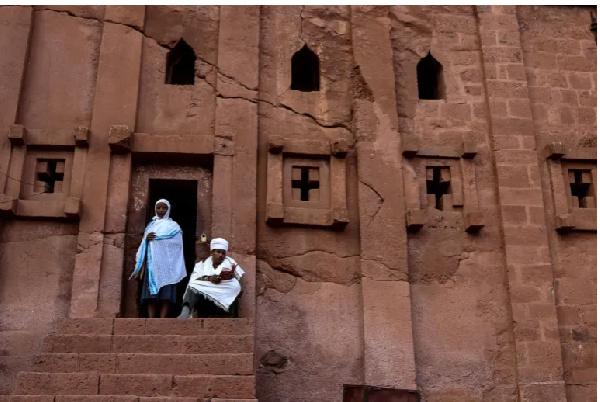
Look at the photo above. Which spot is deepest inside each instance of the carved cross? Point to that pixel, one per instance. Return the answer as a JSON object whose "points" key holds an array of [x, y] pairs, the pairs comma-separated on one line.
{"points": [[52, 173], [438, 184], [581, 184], [305, 179]]}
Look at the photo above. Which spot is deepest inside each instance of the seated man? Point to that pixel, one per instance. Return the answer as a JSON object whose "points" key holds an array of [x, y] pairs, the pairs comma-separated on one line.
{"points": [[216, 279]]}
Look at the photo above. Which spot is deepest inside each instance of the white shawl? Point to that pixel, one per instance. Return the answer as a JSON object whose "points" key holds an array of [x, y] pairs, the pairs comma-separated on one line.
{"points": [[222, 294], [164, 255]]}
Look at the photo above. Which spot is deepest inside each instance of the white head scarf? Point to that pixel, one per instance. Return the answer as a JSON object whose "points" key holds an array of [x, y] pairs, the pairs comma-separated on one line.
{"points": [[219, 244], [168, 204]]}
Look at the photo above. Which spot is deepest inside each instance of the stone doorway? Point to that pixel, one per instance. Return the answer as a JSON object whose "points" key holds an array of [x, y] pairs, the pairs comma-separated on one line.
{"points": [[188, 190]]}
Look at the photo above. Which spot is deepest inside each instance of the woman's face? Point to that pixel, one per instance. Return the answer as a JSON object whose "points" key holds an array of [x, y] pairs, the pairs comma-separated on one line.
{"points": [[161, 209]]}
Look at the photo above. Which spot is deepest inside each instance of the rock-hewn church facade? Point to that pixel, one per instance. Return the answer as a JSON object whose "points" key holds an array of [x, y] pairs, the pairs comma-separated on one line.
{"points": [[411, 191]]}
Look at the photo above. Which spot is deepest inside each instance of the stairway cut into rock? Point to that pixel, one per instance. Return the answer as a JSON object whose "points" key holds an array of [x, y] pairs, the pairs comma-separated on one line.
{"points": [[143, 360]]}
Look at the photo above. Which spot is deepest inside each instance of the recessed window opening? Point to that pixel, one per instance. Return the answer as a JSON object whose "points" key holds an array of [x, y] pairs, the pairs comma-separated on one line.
{"points": [[180, 64], [305, 179], [51, 172], [438, 184], [305, 70], [430, 78], [581, 188]]}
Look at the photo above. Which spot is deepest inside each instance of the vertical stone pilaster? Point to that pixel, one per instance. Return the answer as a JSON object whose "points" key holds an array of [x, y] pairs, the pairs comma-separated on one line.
{"points": [[236, 131], [115, 103], [388, 344], [15, 29], [539, 364]]}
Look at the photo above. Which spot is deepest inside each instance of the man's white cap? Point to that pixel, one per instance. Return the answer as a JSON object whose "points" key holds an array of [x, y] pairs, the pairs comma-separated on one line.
{"points": [[219, 244]]}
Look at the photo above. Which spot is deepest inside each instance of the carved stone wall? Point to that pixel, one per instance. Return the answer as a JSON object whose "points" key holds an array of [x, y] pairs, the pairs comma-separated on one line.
{"points": [[440, 245]]}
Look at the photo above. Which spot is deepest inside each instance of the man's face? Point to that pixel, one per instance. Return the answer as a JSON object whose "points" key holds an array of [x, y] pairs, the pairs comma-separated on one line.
{"points": [[161, 209], [218, 255]]}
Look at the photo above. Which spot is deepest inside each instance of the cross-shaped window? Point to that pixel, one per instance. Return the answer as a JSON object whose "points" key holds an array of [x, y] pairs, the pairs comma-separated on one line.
{"points": [[51, 173], [305, 183], [438, 184], [581, 188]]}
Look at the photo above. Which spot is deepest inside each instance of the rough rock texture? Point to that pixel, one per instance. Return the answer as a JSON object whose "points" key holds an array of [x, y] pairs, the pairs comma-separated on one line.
{"points": [[479, 299]]}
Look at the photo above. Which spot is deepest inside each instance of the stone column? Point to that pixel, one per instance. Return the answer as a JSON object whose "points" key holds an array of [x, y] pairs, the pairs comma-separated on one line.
{"points": [[539, 364], [236, 141], [388, 344], [15, 29], [115, 103]]}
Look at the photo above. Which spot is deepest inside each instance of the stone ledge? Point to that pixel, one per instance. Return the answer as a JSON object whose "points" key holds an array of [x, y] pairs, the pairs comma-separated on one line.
{"points": [[178, 144], [557, 150], [280, 215], [338, 147], [411, 148], [583, 219]]}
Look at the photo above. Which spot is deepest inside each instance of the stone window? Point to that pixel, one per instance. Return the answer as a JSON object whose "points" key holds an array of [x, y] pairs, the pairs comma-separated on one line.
{"points": [[48, 167], [580, 182], [438, 184], [50, 174], [307, 182], [443, 184], [305, 70], [180, 64], [573, 179], [430, 78]]}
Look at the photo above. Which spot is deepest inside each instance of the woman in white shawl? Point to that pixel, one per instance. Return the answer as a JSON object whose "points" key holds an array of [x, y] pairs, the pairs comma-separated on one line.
{"points": [[159, 261]]}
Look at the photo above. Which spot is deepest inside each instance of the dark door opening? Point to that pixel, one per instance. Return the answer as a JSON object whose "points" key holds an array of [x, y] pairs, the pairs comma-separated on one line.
{"points": [[182, 195]]}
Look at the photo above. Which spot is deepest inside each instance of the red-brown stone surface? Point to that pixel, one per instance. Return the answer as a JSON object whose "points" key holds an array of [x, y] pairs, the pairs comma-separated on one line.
{"points": [[479, 300]]}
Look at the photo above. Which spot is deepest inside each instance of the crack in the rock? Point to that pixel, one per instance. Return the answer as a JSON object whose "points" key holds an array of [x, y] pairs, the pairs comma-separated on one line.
{"points": [[380, 203], [302, 24], [219, 72], [313, 118]]}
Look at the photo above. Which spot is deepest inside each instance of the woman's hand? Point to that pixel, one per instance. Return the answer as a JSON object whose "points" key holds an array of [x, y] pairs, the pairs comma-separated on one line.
{"points": [[151, 236]]}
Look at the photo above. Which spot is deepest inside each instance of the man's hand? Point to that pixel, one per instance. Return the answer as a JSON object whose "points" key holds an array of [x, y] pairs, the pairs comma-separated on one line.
{"points": [[226, 275], [215, 279], [151, 236]]}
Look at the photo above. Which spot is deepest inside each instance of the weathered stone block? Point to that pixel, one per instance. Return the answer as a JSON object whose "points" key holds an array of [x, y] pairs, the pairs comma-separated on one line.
{"points": [[469, 150], [17, 134], [275, 213], [555, 150], [120, 139], [474, 221], [8, 205], [410, 147], [276, 144], [82, 136], [339, 148], [415, 219], [73, 207]]}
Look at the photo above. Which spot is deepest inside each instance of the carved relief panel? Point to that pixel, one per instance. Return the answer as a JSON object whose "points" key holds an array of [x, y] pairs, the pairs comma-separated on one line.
{"points": [[46, 169], [307, 183]]}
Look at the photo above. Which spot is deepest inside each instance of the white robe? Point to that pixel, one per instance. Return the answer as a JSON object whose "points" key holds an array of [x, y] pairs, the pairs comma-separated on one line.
{"points": [[164, 255], [222, 294]]}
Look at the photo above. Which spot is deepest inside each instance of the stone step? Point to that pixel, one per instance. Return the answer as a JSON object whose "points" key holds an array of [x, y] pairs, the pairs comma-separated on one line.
{"points": [[156, 326], [147, 385], [111, 398], [163, 344], [145, 363]]}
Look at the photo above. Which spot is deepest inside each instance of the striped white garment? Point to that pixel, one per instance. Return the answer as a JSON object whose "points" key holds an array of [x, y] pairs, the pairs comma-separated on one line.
{"points": [[222, 294], [165, 264]]}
